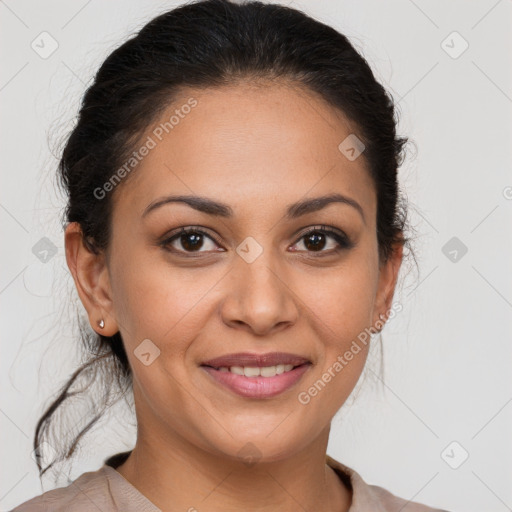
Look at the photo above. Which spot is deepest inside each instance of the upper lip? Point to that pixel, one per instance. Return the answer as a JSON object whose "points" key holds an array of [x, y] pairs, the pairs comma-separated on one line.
{"points": [[256, 360]]}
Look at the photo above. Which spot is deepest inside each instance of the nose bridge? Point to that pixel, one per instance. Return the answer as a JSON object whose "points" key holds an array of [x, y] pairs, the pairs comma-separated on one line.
{"points": [[260, 273], [258, 295]]}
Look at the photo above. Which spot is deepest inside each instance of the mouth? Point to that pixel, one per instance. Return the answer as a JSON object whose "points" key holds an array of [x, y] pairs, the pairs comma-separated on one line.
{"points": [[257, 375]]}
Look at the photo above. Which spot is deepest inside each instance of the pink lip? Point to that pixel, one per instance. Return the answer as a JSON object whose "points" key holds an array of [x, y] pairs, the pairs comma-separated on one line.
{"points": [[258, 387], [256, 360]]}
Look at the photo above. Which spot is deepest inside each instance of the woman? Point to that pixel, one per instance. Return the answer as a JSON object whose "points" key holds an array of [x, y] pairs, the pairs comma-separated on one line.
{"points": [[234, 231]]}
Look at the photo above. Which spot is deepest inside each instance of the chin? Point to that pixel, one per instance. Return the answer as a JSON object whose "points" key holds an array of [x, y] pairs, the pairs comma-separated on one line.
{"points": [[253, 445]]}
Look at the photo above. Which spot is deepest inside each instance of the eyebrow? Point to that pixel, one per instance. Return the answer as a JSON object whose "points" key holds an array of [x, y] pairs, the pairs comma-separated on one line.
{"points": [[293, 211]]}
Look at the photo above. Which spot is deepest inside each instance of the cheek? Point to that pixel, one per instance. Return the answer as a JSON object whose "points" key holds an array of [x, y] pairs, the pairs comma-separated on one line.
{"points": [[342, 300], [158, 303], [339, 316], [155, 300], [341, 310]]}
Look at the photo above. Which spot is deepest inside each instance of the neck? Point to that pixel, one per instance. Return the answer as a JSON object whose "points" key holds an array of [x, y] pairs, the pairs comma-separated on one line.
{"points": [[177, 475]]}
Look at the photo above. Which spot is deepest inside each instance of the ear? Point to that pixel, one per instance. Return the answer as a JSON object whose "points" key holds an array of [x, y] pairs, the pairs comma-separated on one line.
{"points": [[388, 276], [92, 280]]}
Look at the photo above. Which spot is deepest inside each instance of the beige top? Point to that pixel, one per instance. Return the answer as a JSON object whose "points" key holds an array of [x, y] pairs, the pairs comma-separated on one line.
{"points": [[106, 490]]}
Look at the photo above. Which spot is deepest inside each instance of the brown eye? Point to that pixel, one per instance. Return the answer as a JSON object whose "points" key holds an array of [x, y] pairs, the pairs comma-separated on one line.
{"points": [[317, 240], [191, 240]]}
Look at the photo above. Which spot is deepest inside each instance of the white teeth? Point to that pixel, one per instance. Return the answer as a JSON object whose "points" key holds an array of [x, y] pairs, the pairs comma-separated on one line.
{"points": [[251, 371], [237, 369], [268, 371]]}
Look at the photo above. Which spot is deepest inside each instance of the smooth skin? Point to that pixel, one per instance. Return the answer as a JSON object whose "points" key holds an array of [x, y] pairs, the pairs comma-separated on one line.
{"points": [[257, 148]]}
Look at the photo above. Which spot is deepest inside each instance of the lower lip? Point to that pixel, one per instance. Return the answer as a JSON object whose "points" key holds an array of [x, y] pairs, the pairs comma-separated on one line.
{"points": [[258, 387]]}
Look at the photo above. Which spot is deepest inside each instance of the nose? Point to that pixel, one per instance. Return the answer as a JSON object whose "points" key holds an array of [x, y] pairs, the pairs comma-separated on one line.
{"points": [[258, 298]]}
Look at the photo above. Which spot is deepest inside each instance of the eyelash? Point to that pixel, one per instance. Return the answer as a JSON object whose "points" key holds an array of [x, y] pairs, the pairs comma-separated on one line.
{"points": [[341, 239]]}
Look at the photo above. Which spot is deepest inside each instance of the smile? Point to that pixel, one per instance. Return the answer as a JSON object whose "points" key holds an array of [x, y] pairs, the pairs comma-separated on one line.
{"points": [[257, 382]]}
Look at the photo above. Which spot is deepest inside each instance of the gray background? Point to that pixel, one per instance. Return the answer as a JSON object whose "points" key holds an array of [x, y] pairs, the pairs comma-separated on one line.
{"points": [[447, 354]]}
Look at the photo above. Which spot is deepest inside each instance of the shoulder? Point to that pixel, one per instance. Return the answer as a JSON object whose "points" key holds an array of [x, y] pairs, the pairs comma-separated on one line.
{"points": [[372, 497], [90, 491]]}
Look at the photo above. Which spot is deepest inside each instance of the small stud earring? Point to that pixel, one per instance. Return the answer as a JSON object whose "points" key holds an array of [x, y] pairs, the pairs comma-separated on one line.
{"points": [[101, 323]]}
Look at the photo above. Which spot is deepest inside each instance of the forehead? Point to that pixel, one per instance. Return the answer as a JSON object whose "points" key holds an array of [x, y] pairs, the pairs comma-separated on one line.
{"points": [[251, 146]]}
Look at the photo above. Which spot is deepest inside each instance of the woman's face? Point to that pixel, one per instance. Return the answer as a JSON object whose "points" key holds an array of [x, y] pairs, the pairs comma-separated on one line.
{"points": [[255, 281]]}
